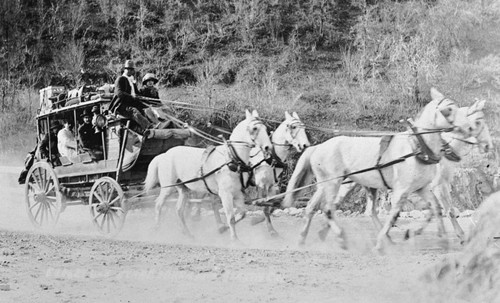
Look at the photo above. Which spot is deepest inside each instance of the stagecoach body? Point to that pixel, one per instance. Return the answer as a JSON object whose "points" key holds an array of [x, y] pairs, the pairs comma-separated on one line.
{"points": [[110, 186]]}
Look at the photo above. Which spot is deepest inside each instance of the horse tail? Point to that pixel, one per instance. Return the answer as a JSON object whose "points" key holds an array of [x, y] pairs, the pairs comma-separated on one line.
{"points": [[302, 175], [152, 176]]}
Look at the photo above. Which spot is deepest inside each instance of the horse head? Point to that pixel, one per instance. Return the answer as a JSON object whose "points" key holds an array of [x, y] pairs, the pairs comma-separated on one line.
{"points": [[255, 132], [478, 127], [292, 131], [443, 113]]}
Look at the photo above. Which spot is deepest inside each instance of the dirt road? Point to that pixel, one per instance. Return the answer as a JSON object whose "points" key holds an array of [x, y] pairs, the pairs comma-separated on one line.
{"points": [[72, 263]]}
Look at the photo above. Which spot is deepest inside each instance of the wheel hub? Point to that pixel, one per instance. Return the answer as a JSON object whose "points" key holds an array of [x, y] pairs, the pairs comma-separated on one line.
{"points": [[40, 197], [103, 207]]}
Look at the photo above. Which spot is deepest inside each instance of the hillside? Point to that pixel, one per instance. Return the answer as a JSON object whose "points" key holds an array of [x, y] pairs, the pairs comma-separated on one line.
{"points": [[349, 64]]}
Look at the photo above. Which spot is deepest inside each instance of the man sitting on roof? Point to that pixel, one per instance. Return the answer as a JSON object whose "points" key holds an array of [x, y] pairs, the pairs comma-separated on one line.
{"points": [[125, 100]]}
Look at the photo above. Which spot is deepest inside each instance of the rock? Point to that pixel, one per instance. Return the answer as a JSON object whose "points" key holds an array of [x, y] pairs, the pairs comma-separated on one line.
{"points": [[295, 212], [404, 214], [338, 213], [278, 212], [466, 213], [4, 287], [416, 214], [347, 213]]}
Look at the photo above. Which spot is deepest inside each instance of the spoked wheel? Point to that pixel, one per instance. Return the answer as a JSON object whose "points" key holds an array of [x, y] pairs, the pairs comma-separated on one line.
{"points": [[43, 198], [107, 206]]}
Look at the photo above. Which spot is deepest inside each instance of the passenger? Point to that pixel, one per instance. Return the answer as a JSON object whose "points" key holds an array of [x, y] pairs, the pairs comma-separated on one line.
{"points": [[148, 89], [48, 145], [90, 140], [125, 100], [66, 141]]}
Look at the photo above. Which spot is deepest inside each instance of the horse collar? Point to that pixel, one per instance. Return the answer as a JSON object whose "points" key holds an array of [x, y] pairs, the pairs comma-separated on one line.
{"points": [[237, 164], [449, 153], [275, 160], [425, 155]]}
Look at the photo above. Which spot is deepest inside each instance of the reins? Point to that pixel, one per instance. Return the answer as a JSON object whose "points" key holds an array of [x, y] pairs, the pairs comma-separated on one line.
{"points": [[264, 201]]}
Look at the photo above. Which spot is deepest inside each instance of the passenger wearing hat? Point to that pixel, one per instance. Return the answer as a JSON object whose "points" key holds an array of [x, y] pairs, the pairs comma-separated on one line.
{"points": [[48, 145], [125, 100], [90, 140], [148, 89]]}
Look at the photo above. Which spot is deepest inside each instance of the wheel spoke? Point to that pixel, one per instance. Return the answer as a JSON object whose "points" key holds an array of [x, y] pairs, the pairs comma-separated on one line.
{"points": [[102, 194], [99, 198], [49, 211], [114, 200], [112, 217], [102, 222], [97, 216], [36, 177], [50, 188], [38, 211], [108, 215], [46, 179], [35, 204], [42, 214], [115, 208], [43, 180], [31, 187]]}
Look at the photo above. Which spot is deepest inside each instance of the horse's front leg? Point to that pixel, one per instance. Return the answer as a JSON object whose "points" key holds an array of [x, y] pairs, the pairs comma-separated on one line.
{"points": [[160, 200], [371, 198], [221, 227], [331, 194], [311, 208], [182, 201], [226, 198], [427, 195], [442, 192], [268, 210], [398, 198], [239, 204]]}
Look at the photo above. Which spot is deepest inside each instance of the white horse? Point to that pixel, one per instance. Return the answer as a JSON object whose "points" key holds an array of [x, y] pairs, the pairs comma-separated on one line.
{"points": [[332, 161], [222, 168], [289, 134], [456, 147]]}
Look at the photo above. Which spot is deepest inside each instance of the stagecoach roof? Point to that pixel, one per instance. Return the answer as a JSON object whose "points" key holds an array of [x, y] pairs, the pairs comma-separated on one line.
{"points": [[84, 104]]}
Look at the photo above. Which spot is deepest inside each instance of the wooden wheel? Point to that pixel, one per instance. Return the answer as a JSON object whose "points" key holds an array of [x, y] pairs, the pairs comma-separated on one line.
{"points": [[43, 198], [107, 206]]}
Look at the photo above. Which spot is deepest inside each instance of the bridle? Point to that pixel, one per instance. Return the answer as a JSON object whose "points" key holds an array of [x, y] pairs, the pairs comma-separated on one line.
{"points": [[253, 135], [292, 131]]}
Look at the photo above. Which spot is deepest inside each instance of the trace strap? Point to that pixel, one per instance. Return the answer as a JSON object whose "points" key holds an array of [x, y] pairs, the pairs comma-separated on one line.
{"points": [[269, 201]]}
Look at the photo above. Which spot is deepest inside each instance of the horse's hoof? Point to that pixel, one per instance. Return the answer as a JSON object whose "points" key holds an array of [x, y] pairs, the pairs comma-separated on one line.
{"points": [[239, 216], [274, 234], [378, 250], [323, 232], [257, 220], [188, 235], [343, 244], [223, 229], [407, 235], [444, 244], [302, 242]]}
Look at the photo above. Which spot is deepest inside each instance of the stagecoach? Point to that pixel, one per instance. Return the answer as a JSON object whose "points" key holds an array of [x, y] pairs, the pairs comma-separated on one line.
{"points": [[109, 185]]}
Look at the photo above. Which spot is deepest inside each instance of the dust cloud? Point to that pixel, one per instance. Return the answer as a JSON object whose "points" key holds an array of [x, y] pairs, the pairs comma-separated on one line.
{"points": [[473, 274]]}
